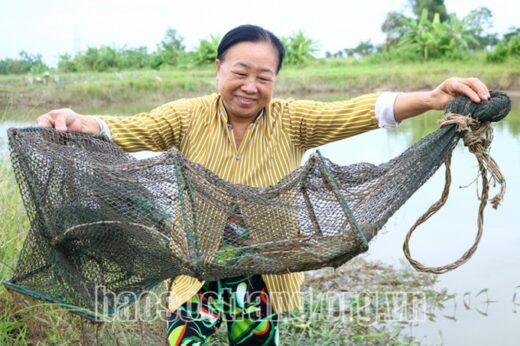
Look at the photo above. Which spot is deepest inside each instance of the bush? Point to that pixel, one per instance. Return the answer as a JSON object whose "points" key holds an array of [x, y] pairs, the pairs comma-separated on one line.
{"points": [[298, 48], [27, 63], [514, 46], [499, 54], [393, 55], [206, 52], [508, 47]]}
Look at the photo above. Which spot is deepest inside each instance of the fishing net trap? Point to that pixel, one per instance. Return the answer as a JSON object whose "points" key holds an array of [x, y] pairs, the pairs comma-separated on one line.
{"points": [[99, 217]]}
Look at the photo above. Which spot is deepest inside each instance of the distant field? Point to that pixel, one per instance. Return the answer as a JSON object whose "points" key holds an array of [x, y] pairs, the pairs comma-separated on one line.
{"points": [[22, 95]]}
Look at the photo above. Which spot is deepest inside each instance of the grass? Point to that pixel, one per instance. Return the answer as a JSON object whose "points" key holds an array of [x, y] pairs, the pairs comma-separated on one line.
{"points": [[13, 222], [22, 98]]}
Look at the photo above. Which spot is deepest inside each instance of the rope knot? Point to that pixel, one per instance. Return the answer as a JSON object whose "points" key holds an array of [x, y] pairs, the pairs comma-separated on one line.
{"points": [[477, 136]]}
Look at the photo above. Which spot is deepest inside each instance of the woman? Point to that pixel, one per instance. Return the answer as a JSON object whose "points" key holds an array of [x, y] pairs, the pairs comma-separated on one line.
{"points": [[245, 136]]}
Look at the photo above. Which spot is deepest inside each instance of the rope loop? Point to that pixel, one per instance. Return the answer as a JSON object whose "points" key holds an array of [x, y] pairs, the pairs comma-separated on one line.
{"points": [[477, 136]]}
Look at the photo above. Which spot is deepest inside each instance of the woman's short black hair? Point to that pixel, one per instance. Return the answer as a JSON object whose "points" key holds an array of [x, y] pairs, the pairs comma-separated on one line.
{"points": [[250, 33]]}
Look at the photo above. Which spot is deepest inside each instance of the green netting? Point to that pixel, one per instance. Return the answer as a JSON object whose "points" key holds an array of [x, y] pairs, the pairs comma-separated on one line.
{"points": [[101, 218]]}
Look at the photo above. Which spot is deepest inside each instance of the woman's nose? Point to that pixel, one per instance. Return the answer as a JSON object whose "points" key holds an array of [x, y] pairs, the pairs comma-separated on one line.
{"points": [[249, 86]]}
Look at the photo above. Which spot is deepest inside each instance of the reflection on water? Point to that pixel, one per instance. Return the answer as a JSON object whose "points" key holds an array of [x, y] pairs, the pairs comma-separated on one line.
{"points": [[483, 299]]}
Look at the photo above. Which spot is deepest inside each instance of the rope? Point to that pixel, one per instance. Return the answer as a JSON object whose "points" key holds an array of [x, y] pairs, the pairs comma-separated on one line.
{"points": [[477, 137]]}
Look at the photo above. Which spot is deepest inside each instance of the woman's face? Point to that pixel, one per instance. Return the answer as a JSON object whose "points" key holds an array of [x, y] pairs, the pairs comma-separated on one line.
{"points": [[246, 78]]}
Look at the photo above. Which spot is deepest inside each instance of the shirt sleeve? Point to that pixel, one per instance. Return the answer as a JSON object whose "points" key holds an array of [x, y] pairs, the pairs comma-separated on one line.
{"points": [[103, 127], [158, 130], [311, 124], [385, 110]]}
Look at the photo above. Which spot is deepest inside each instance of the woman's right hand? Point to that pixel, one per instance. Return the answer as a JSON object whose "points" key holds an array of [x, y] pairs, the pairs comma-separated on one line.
{"points": [[66, 119]]}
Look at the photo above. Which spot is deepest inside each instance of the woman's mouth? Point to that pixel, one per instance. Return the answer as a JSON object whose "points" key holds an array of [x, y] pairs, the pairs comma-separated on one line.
{"points": [[245, 101]]}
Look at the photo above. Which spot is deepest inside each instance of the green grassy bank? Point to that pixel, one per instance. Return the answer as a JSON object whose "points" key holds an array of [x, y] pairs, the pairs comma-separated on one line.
{"points": [[26, 96]]}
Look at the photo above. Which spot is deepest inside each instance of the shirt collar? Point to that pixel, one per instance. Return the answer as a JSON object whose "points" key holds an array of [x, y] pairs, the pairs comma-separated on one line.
{"points": [[223, 113]]}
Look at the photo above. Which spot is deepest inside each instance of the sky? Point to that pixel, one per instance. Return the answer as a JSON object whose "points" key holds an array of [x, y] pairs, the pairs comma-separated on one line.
{"points": [[54, 27]]}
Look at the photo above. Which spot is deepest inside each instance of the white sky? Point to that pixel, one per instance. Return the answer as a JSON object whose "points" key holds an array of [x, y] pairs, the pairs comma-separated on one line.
{"points": [[53, 27]]}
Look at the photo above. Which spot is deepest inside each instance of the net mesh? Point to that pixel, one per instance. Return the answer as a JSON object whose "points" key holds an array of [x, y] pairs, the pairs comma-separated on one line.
{"points": [[101, 218]]}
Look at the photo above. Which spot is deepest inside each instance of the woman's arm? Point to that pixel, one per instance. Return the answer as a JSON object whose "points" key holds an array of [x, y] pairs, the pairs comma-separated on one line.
{"points": [[410, 104]]}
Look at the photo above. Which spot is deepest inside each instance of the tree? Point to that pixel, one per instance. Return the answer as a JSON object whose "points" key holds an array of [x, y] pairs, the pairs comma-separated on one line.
{"points": [[480, 21], [67, 63], [133, 58], [436, 39], [364, 48], [422, 36], [461, 36], [508, 46], [26, 62], [393, 27], [298, 48], [512, 32], [432, 6], [170, 51], [206, 52]]}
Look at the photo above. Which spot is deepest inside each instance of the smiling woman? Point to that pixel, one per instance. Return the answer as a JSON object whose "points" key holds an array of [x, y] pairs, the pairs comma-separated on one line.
{"points": [[248, 62], [246, 137], [246, 79]]}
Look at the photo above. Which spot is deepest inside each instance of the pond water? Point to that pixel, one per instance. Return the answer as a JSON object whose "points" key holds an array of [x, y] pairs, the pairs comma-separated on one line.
{"points": [[486, 303]]}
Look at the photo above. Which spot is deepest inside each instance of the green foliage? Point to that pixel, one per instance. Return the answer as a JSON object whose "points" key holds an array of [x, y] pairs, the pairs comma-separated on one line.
{"points": [[432, 7], [298, 48], [67, 63], [12, 219], [133, 58], [12, 331], [430, 36], [26, 63], [364, 48], [105, 58], [508, 47], [394, 27], [480, 21], [206, 52], [100, 59], [511, 33], [514, 46], [393, 55], [170, 51], [430, 39], [436, 35], [499, 54]]}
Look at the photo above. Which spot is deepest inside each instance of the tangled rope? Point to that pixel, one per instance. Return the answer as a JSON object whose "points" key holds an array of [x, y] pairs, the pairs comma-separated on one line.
{"points": [[477, 136]]}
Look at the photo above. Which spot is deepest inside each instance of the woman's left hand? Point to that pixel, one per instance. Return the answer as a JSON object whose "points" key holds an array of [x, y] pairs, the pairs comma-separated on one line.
{"points": [[473, 88]]}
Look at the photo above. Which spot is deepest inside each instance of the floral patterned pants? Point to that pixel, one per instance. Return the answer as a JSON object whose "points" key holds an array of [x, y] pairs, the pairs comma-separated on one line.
{"points": [[242, 302]]}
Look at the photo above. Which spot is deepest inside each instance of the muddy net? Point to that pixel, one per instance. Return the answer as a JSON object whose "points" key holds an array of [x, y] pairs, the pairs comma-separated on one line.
{"points": [[100, 218]]}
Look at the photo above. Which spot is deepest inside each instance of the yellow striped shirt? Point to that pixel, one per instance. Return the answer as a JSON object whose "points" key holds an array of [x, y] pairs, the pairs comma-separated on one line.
{"points": [[272, 147]]}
